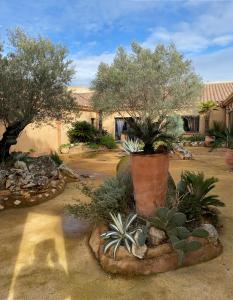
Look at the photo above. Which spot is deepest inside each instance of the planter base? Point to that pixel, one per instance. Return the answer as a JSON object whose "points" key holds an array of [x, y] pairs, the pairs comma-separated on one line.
{"points": [[157, 260]]}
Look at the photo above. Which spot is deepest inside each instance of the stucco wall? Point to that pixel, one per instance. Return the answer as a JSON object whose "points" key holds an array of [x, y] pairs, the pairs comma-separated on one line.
{"points": [[45, 138], [218, 115]]}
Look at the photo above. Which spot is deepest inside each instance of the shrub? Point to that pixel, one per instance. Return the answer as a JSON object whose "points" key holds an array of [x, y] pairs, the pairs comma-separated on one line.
{"points": [[175, 125], [56, 158], [194, 138], [193, 190], [83, 132], [115, 195], [108, 141], [93, 146]]}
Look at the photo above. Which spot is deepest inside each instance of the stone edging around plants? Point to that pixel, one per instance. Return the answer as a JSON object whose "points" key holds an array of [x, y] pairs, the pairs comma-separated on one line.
{"points": [[157, 260], [17, 200]]}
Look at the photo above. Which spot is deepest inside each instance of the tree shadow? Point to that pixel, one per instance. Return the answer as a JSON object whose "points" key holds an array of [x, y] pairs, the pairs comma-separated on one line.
{"points": [[45, 277]]}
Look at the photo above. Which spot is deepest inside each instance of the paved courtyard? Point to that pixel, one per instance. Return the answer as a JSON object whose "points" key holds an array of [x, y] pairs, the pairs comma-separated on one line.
{"points": [[43, 256]]}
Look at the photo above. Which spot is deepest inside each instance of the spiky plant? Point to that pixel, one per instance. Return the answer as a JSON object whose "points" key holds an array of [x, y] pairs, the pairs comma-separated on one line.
{"points": [[222, 137], [120, 233], [132, 146], [150, 132], [193, 193]]}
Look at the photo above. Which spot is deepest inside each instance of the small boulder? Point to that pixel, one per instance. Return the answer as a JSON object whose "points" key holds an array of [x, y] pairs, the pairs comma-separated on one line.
{"points": [[213, 234], [21, 165], [156, 236], [138, 250], [68, 172]]}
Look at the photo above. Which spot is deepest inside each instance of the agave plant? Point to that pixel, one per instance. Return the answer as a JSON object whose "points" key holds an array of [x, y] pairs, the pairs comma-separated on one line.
{"points": [[132, 146], [120, 233]]}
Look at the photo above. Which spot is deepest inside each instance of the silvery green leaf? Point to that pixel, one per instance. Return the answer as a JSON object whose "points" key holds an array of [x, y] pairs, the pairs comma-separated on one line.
{"points": [[131, 219], [130, 238], [115, 249], [109, 244], [127, 245]]}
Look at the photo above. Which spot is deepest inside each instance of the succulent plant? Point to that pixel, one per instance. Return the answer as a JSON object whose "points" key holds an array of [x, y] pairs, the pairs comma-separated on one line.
{"points": [[132, 146], [120, 233], [171, 221]]}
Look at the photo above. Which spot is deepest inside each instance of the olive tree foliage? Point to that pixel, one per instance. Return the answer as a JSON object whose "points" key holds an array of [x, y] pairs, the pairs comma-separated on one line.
{"points": [[146, 84], [34, 75]]}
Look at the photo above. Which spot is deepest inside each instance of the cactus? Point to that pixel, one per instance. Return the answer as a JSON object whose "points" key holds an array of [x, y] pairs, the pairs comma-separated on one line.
{"points": [[172, 223]]}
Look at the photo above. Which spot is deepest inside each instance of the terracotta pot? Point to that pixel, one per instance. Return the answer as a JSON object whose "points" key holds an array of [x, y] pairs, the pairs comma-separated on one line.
{"points": [[150, 174], [209, 140], [229, 158]]}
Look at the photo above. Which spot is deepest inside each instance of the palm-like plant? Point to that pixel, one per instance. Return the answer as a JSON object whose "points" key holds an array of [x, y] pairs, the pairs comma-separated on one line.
{"points": [[223, 137], [149, 132], [120, 233], [193, 192], [206, 106]]}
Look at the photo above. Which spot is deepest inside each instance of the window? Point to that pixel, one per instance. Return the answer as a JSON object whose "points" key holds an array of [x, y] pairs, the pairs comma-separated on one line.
{"points": [[93, 121], [191, 123]]}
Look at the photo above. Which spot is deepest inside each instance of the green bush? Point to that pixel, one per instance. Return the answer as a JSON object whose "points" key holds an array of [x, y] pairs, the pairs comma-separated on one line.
{"points": [[108, 141], [93, 146], [193, 192], [175, 125], [83, 132], [194, 138], [115, 195]]}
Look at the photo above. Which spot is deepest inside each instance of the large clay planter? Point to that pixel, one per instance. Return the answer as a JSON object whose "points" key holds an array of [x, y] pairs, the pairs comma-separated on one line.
{"points": [[229, 158], [150, 174]]}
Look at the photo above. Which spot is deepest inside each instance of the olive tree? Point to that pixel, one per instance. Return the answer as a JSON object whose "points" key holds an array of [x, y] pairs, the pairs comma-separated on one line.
{"points": [[34, 75], [146, 84]]}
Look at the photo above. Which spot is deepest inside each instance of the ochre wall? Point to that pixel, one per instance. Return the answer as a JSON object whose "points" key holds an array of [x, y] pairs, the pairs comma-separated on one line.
{"points": [[218, 115], [45, 138]]}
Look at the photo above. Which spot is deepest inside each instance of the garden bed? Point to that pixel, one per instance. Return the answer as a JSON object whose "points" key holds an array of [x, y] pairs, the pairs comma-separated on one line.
{"points": [[158, 259]]}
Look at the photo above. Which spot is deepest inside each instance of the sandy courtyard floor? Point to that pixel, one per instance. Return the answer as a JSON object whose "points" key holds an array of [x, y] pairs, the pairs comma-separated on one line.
{"points": [[42, 256]]}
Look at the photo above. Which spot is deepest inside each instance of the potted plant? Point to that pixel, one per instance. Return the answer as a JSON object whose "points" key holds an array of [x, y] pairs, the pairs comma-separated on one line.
{"points": [[149, 167], [144, 88]]}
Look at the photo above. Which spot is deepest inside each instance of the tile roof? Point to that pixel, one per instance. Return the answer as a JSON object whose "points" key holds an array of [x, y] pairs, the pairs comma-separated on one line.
{"points": [[217, 91], [84, 99]]}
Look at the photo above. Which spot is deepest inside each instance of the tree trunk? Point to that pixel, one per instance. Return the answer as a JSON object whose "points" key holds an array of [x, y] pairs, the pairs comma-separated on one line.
{"points": [[9, 138], [101, 121]]}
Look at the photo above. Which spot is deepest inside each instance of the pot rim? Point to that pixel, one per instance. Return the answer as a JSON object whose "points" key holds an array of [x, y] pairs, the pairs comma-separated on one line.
{"points": [[148, 155]]}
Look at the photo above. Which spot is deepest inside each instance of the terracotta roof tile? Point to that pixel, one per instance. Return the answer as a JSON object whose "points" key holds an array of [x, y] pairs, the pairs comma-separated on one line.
{"points": [[217, 91]]}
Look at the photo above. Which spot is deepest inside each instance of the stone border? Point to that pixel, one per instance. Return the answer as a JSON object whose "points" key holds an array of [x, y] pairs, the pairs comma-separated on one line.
{"points": [[30, 198], [157, 260]]}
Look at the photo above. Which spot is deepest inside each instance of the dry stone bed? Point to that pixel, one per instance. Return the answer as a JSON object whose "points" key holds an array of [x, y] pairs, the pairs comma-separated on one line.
{"points": [[32, 181]]}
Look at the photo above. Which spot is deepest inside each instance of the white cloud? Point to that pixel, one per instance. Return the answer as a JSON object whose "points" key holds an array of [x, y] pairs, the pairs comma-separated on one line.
{"points": [[86, 67], [217, 66]]}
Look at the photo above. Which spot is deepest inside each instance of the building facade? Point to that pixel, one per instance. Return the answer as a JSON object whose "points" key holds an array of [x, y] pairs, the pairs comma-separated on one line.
{"points": [[49, 137]]}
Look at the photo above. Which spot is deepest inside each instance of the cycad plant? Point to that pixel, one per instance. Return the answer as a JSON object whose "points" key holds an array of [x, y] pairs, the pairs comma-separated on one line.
{"points": [[120, 233], [193, 194], [223, 137], [150, 132]]}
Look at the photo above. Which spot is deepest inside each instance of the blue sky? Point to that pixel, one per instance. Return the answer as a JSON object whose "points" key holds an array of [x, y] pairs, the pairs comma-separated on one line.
{"points": [[93, 29]]}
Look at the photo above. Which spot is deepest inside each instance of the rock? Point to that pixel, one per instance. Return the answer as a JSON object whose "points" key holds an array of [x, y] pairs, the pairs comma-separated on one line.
{"points": [[53, 191], [156, 261], [137, 250], [213, 234], [54, 183], [29, 185], [156, 236], [1, 207], [21, 165], [9, 183], [68, 172], [41, 180], [17, 202], [3, 178]]}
